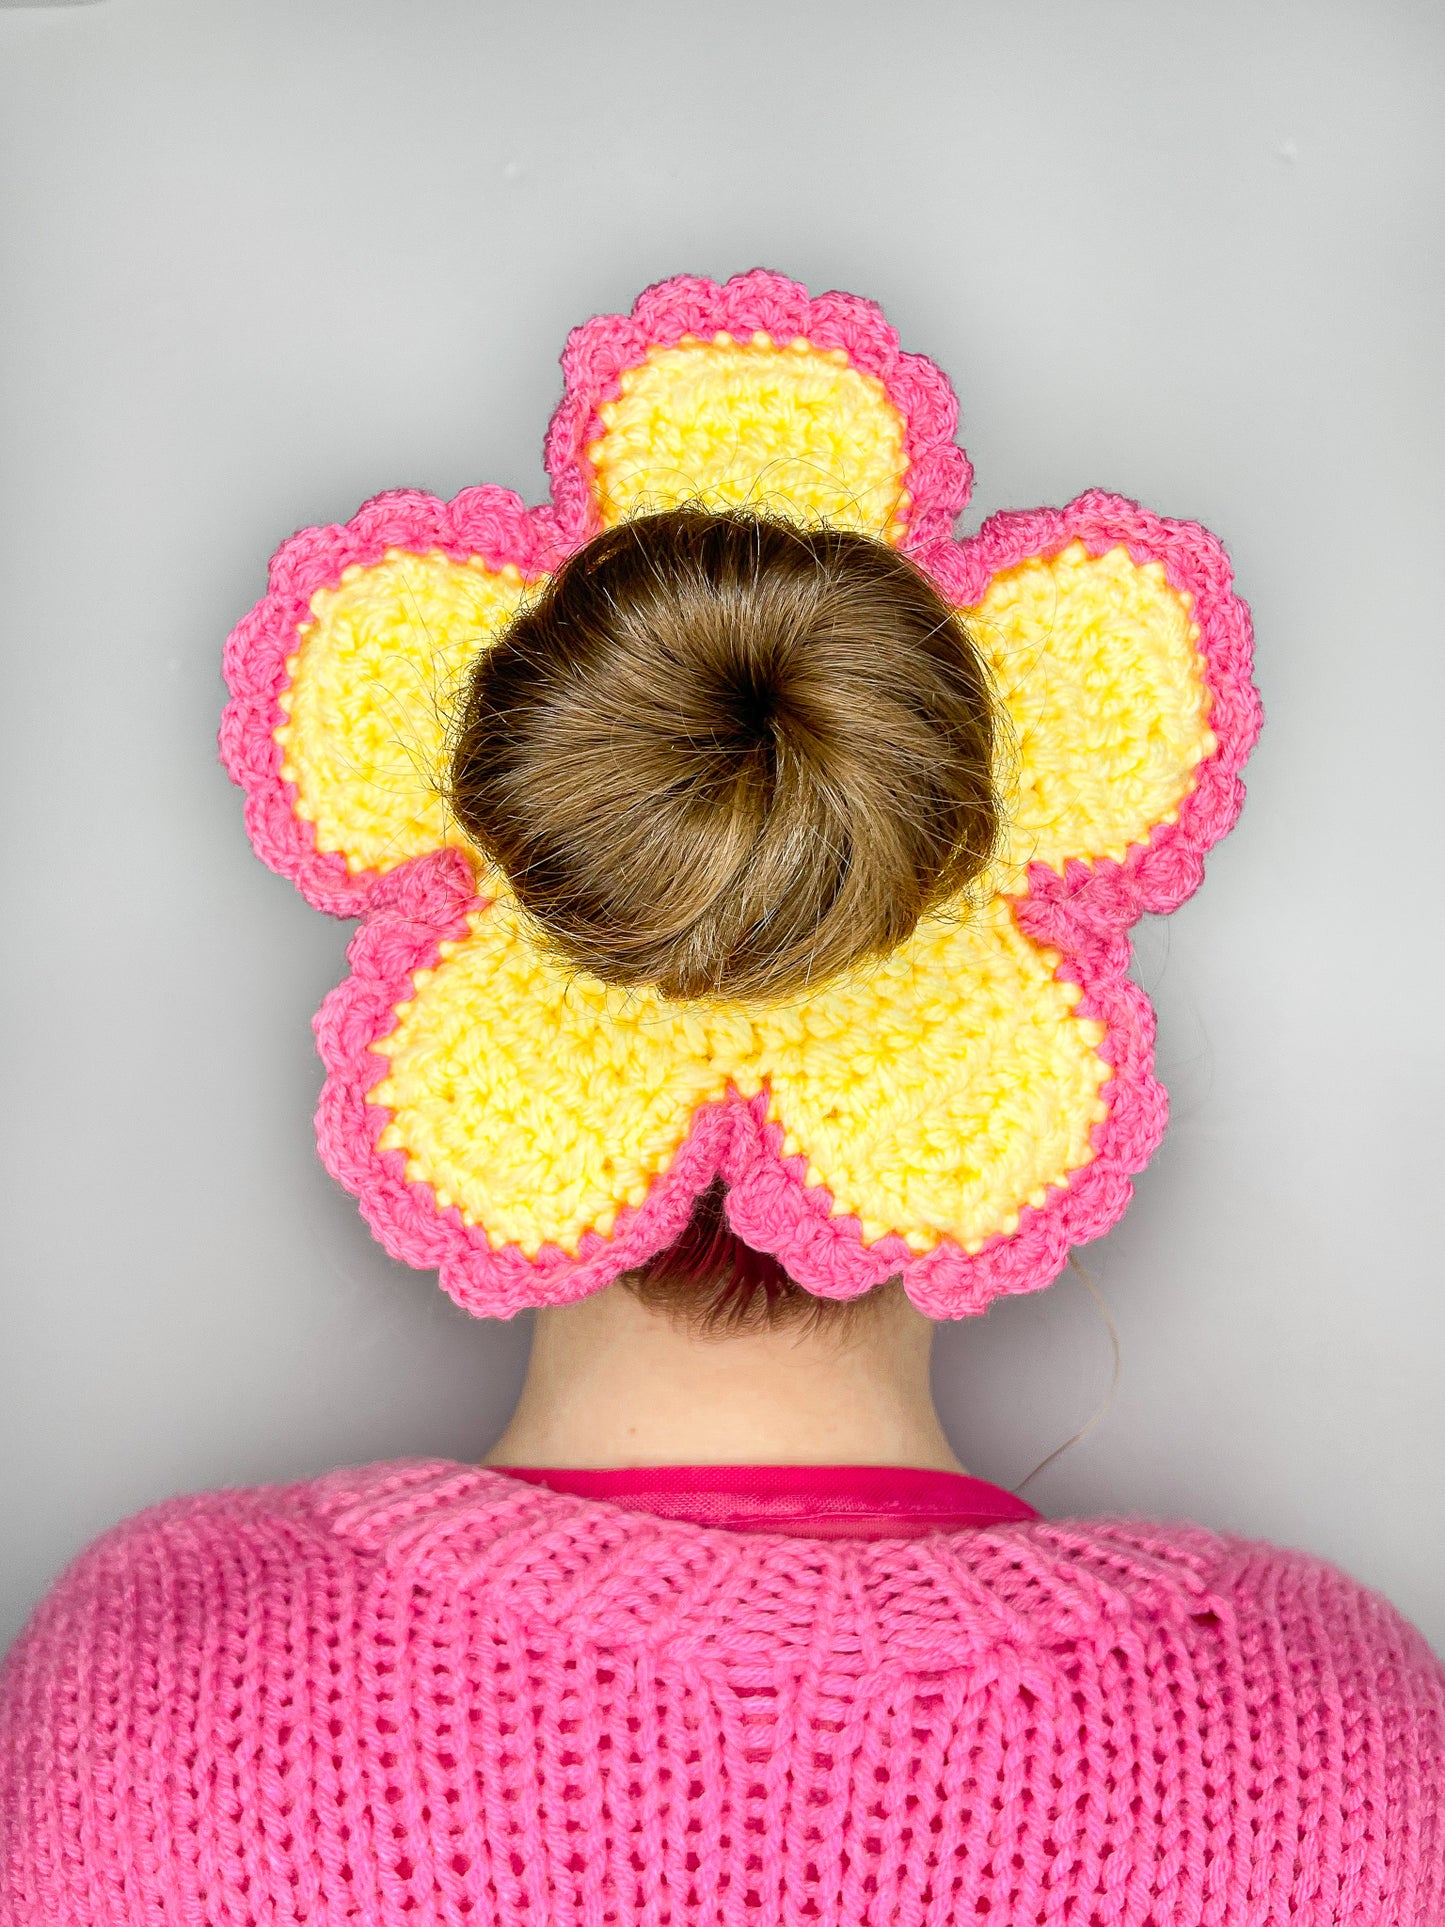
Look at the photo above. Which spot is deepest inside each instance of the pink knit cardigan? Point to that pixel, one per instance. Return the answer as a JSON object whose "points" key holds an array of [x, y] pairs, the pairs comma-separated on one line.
{"points": [[424, 1692]]}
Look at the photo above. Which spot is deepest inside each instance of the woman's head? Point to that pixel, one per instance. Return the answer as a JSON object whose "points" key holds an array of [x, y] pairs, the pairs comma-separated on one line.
{"points": [[730, 758]]}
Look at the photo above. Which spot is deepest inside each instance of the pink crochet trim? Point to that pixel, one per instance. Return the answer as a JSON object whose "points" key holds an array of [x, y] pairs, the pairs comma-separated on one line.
{"points": [[493, 523], [1085, 914], [939, 475], [488, 522]]}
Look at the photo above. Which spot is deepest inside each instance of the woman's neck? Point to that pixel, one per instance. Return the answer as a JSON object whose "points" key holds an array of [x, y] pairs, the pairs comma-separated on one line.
{"points": [[612, 1382]]}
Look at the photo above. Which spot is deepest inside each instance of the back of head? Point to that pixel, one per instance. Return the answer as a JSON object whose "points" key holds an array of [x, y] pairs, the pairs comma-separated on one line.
{"points": [[727, 757]]}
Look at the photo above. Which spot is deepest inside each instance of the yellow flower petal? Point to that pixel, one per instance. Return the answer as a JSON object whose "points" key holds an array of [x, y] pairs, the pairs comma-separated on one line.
{"points": [[538, 1100], [789, 430], [373, 683], [1096, 658], [941, 1091]]}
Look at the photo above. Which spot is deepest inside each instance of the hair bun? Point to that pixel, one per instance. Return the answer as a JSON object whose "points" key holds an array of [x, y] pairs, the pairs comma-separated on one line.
{"points": [[729, 757]]}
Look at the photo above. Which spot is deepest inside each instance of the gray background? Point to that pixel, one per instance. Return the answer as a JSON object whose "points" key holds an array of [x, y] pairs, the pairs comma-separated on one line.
{"points": [[262, 258]]}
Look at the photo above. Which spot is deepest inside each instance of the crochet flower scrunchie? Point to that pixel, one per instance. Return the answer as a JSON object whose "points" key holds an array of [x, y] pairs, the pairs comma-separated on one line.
{"points": [[961, 1113]]}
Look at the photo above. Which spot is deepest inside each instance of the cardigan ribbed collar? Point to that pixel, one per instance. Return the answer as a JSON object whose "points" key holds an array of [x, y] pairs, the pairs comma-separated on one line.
{"points": [[637, 1579]]}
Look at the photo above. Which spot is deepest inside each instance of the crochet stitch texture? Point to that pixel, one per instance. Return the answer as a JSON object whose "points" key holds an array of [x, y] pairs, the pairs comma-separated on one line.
{"points": [[419, 1692], [959, 1115]]}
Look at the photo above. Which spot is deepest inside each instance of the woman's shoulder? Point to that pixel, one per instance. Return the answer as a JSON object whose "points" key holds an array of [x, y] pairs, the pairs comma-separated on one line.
{"points": [[218, 1667], [234, 1537], [1278, 1623]]}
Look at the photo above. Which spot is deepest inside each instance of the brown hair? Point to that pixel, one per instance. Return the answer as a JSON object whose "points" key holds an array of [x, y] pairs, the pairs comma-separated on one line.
{"points": [[726, 756], [730, 757], [713, 1283]]}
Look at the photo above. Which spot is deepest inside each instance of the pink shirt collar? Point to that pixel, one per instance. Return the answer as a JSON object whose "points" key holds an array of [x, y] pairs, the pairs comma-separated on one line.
{"points": [[813, 1501]]}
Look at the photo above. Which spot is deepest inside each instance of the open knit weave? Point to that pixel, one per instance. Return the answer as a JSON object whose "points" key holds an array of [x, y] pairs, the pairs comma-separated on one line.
{"points": [[423, 1692]]}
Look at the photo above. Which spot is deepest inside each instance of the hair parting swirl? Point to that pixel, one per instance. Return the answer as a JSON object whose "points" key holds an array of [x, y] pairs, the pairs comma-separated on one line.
{"points": [[730, 757]]}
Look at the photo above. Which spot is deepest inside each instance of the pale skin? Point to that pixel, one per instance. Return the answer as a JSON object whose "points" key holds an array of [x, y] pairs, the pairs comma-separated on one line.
{"points": [[612, 1382]]}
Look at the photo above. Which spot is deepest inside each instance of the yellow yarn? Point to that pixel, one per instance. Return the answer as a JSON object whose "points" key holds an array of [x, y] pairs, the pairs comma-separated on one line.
{"points": [[938, 1092], [372, 687], [1097, 660], [539, 1101], [788, 430], [932, 1094]]}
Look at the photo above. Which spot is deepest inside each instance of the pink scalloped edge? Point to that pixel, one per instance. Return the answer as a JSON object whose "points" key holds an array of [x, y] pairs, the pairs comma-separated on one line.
{"points": [[771, 1208], [768, 1202], [1084, 914], [493, 524], [487, 522], [939, 476], [430, 903], [1158, 875]]}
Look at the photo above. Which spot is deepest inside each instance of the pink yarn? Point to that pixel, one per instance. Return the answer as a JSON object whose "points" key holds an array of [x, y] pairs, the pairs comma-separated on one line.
{"points": [[1085, 914], [422, 1693], [489, 522]]}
